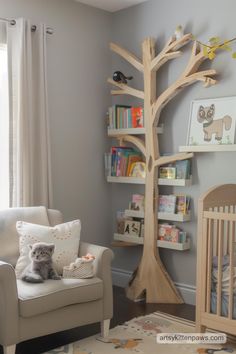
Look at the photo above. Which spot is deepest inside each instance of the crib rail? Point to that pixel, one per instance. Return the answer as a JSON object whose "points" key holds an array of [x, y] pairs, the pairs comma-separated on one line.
{"points": [[219, 230]]}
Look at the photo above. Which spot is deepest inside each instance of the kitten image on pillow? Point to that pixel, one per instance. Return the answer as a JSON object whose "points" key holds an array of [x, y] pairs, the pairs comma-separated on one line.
{"points": [[41, 266]]}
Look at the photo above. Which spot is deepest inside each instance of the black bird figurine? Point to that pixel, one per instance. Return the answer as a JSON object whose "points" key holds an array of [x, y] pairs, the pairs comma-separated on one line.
{"points": [[118, 76]]}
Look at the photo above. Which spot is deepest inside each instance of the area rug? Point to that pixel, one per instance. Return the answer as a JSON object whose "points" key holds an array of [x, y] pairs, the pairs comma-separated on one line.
{"points": [[139, 336]]}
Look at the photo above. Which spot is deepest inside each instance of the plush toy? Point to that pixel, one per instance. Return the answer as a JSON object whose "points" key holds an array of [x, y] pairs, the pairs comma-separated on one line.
{"points": [[88, 256]]}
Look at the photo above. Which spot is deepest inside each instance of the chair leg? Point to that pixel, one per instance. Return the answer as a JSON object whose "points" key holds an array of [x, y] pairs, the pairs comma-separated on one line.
{"points": [[10, 349], [105, 325]]}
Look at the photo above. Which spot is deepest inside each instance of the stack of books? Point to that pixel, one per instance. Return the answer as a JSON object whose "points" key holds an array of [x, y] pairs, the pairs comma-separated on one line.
{"points": [[175, 204], [171, 233], [123, 117], [123, 160]]}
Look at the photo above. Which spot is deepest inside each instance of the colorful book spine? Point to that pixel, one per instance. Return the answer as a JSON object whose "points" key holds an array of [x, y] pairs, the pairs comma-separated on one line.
{"points": [[123, 117]]}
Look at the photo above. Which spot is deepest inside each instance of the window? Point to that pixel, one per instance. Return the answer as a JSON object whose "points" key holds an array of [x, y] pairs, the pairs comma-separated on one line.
{"points": [[4, 129]]}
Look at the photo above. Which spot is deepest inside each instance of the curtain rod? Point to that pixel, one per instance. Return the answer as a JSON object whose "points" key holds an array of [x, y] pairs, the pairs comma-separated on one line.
{"points": [[49, 30]]}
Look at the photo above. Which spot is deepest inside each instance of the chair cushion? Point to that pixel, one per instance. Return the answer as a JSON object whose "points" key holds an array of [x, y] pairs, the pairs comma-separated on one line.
{"points": [[65, 237], [35, 299]]}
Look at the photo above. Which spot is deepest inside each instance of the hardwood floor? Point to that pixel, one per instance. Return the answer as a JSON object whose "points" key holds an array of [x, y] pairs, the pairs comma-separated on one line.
{"points": [[124, 310]]}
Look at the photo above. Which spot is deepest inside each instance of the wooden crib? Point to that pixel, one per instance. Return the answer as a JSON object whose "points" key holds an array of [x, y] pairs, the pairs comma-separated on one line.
{"points": [[216, 238]]}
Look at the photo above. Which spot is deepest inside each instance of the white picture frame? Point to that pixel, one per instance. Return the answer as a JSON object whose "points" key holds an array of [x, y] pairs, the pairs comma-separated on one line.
{"points": [[212, 121]]}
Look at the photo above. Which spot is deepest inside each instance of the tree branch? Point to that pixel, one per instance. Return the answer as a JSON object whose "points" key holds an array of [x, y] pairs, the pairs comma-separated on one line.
{"points": [[129, 57], [170, 51], [163, 160], [133, 140], [125, 90], [189, 76]]}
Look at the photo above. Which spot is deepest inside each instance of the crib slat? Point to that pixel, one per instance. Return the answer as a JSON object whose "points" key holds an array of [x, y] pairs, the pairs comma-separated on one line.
{"points": [[219, 275], [231, 269], [209, 264], [204, 263]]}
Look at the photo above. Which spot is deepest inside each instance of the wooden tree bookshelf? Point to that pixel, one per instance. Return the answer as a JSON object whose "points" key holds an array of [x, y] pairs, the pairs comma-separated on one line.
{"points": [[151, 277]]}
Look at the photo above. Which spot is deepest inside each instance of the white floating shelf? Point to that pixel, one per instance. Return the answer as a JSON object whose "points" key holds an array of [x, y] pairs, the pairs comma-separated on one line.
{"points": [[163, 244], [174, 217], [132, 131], [174, 245], [175, 182], [208, 148], [134, 213], [133, 180], [129, 238], [161, 216]]}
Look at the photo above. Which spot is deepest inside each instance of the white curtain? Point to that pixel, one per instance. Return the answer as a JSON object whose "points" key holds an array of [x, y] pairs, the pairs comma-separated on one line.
{"points": [[30, 167]]}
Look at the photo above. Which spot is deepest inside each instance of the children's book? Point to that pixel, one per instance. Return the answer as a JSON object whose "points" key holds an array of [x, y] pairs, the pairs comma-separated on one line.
{"points": [[183, 169], [167, 203], [138, 169], [137, 117], [167, 232], [137, 202], [182, 204]]}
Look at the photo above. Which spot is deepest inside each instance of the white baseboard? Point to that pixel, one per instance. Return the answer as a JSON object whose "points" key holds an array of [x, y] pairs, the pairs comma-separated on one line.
{"points": [[121, 277]]}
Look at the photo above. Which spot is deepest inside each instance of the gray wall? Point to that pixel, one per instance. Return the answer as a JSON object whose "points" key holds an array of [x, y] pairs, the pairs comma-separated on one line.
{"points": [[78, 64], [159, 19]]}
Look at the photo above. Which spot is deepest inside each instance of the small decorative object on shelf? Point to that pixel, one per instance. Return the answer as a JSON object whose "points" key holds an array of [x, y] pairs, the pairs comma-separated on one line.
{"points": [[118, 76], [179, 32], [132, 228], [167, 172], [178, 170]]}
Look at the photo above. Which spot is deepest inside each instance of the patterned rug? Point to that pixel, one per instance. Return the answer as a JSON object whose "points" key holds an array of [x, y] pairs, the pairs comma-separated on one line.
{"points": [[139, 336]]}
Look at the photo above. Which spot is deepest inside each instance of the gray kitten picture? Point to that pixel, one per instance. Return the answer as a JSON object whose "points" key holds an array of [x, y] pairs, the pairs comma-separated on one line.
{"points": [[41, 266], [212, 126]]}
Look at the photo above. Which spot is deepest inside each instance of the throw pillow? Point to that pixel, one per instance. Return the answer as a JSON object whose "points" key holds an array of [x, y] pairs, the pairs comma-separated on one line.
{"points": [[66, 238]]}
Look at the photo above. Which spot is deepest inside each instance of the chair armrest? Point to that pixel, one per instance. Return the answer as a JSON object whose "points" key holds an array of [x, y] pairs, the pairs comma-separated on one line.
{"points": [[9, 313], [102, 265]]}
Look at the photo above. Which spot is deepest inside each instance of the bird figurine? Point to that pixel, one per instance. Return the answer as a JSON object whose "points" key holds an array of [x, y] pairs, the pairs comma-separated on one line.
{"points": [[118, 76], [179, 32]]}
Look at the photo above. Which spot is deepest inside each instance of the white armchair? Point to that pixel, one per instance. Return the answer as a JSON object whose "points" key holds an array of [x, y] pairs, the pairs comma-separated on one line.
{"points": [[28, 311]]}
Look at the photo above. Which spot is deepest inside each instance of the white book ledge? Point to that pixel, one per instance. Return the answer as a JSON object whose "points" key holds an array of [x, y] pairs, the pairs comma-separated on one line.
{"points": [[175, 182], [161, 216], [163, 244], [123, 179], [208, 148], [174, 217], [161, 181], [131, 131]]}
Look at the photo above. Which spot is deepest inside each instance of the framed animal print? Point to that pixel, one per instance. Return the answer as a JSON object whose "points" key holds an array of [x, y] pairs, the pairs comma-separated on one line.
{"points": [[212, 121]]}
